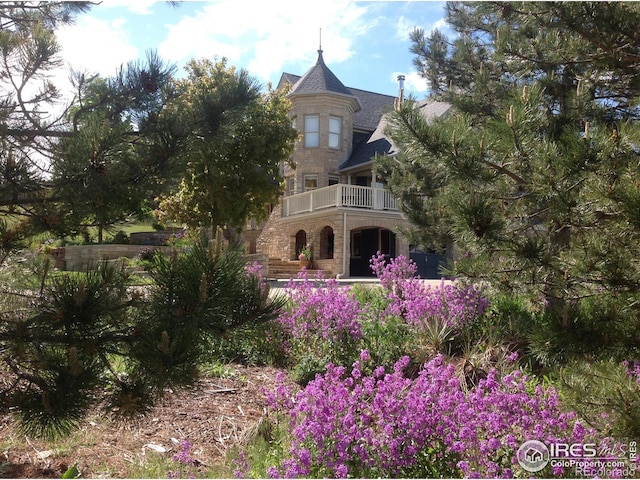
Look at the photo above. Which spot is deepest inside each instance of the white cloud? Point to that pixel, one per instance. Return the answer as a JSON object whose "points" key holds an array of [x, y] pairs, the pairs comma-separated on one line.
{"points": [[404, 26], [96, 46], [267, 35], [414, 83]]}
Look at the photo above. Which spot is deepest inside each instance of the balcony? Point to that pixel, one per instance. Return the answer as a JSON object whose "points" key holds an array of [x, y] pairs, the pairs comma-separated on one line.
{"points": [[340, 195]]}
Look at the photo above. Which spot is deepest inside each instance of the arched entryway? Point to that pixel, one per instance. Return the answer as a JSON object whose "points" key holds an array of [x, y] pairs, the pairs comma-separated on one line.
{"points": [[367, 242]]}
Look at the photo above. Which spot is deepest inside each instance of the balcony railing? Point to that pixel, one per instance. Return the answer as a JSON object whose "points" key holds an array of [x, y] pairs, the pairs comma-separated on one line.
{"points": [[340, 195]]}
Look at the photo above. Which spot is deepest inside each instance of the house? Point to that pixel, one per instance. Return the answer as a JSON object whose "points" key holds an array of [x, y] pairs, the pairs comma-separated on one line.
{"points": [[333, 199]]}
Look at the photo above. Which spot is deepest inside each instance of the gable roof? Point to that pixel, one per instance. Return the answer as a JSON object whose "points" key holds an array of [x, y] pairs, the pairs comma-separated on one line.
{"points": [[377, 143]]}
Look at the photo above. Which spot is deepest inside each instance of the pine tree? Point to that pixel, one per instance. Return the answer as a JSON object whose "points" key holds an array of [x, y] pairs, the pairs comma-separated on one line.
{"points": [[106, 142], [534, 174], [113, 163], [66, 341]]}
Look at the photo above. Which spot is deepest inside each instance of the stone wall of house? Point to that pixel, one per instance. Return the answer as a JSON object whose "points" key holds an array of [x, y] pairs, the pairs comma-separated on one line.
{"points": [[278, 239], [272, 241], [322, 160]]}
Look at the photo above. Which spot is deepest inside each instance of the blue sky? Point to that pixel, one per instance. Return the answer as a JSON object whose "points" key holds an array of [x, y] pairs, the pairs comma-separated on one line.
{"points": [[365, 43]]}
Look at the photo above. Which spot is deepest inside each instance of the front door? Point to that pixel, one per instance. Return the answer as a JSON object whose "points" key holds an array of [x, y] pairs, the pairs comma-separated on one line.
{"points": [[365, 244]]}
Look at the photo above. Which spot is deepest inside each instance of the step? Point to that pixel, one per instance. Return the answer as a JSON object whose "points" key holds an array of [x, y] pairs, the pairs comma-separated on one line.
{"points": [[282, 269]]}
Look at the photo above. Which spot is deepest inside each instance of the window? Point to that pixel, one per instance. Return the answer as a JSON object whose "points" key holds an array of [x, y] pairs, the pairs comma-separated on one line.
{"points": [[326, 242], [335, 132], [334, 179], [291, 182], [310, 182], [311, 131], [362, 181]]}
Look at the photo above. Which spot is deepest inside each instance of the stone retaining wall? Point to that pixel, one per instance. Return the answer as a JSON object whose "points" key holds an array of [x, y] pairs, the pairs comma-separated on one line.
{"points": [[80, 257]]}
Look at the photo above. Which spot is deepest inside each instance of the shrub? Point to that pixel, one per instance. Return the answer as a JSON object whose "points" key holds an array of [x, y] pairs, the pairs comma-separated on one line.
{"points": [[453, 304], [322, 323], [120, 237], [68, 336], [346, 424]]}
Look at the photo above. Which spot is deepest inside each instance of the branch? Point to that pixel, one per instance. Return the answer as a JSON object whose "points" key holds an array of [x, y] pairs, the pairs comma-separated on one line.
{"points": [[502, 169]]}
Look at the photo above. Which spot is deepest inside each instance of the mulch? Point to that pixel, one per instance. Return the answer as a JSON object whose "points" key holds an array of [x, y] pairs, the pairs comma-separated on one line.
{"points": [[214, 415]]}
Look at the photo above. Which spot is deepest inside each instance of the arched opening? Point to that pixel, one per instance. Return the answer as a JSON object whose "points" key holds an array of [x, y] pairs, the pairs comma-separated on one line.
{"points": [[301, 242], [326, 242]]}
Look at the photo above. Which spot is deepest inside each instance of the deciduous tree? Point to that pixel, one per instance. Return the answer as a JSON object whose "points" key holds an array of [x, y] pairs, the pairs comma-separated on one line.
{"points": [[239, 139]]}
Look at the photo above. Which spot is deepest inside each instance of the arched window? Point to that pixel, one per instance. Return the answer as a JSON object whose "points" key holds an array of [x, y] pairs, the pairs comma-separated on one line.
{"points": [[326, 242], [301, 242]]}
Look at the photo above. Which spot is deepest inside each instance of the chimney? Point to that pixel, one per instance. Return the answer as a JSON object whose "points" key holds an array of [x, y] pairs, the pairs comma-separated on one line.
{"points": [[400, 98]]}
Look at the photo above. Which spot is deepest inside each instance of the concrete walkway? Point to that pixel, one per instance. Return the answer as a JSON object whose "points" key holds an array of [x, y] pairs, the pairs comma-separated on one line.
{"points": [[280, 286]]}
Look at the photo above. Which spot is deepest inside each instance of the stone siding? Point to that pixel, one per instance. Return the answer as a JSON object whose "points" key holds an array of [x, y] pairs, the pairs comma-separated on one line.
{"points": [[278, 236]]}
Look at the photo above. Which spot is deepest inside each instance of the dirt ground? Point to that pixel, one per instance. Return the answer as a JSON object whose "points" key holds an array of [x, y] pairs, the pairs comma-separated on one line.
{"points": [[213, 415]]}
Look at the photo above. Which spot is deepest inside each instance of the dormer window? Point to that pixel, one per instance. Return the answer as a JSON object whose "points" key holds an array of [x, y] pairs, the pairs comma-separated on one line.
{"points": [[312, 131], [335, 132]]}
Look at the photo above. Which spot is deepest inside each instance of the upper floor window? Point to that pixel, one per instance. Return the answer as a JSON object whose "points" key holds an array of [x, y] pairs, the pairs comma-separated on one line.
{"points": [[310, 182], [335, 132], [311, 131], [334, 179], [290, 186]]}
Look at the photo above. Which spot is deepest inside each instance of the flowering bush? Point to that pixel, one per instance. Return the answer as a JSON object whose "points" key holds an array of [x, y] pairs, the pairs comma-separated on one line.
{"points": [[183, 460], [326, 321], [452, 304], [323, 324], [325, 312], [346, 424]]}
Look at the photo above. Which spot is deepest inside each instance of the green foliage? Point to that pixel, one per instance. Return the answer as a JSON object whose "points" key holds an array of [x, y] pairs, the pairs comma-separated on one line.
{"points": [[509, 319], [385, 338], [123, 140], [71, 472], [596, 328], [604, 394], [308, 364], [29, 51], [106, 171], [533, 172], [78, 332], [254, 344], [264, 446], [239, 137]]}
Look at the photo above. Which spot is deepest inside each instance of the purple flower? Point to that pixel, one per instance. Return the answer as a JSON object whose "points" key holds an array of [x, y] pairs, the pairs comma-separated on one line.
{"points": [[385, 423]]}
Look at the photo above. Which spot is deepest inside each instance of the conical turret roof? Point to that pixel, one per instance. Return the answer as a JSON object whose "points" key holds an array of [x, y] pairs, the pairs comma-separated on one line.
{"points": [[319, 79]]}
